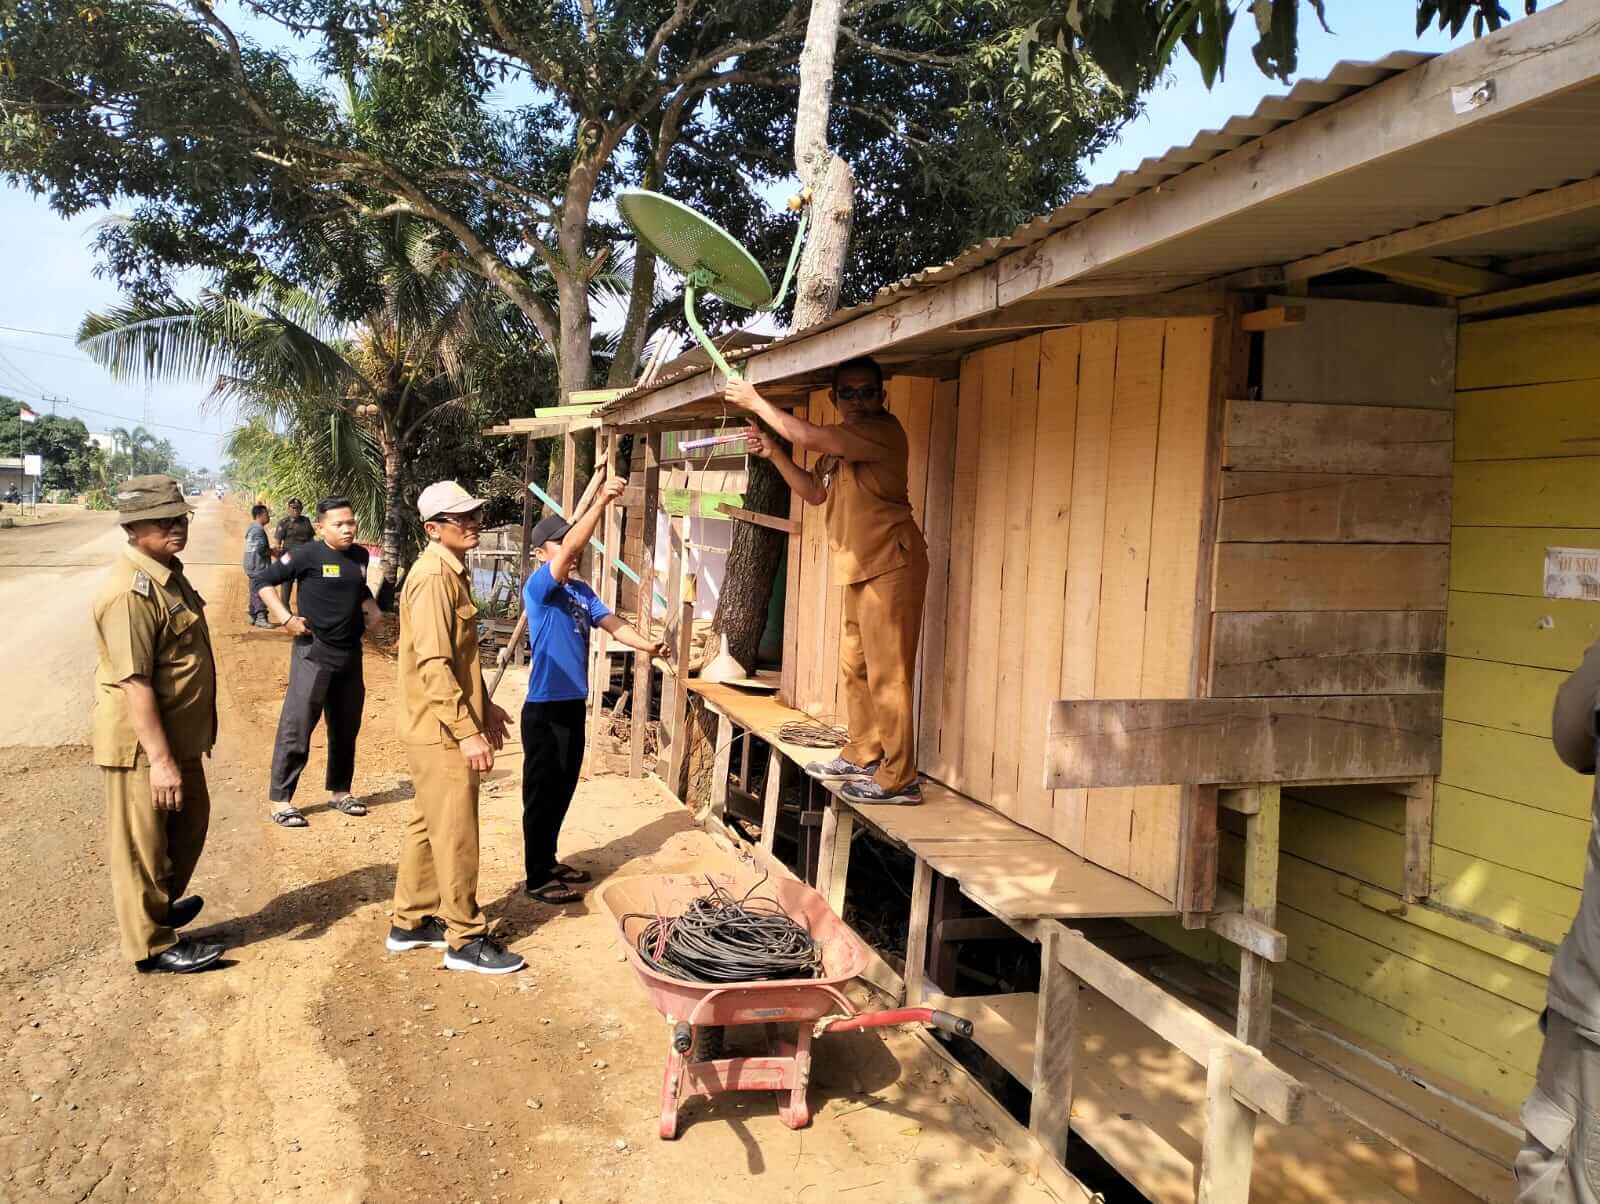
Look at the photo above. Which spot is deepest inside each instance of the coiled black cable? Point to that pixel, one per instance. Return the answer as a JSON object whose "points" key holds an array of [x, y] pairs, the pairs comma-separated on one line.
{"points": [[720, 938]]}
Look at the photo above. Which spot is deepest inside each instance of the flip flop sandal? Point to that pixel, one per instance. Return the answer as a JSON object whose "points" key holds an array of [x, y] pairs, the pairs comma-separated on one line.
{"points": [[350, 805], [562, 872], [290, 817], [554, 891]]}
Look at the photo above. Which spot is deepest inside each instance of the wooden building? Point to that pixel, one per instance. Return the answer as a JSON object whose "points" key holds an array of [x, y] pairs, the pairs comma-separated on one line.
{"points": [[1259, 486]]}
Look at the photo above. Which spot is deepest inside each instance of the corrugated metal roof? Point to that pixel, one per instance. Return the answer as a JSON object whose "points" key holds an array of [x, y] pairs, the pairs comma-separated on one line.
{"points": [[1306, 96]]}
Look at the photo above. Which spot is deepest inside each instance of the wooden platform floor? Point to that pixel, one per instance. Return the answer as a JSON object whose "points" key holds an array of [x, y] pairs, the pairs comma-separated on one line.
{"points": [[1140, 1104], [1007, 869]]}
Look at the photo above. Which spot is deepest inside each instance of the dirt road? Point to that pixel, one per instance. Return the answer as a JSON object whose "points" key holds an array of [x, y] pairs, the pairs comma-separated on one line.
{"points": [[315, 1066]]}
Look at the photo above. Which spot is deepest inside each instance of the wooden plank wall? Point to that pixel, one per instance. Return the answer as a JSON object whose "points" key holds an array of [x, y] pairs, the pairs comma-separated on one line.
{"points": [[1450, 986], [1060, 484]]}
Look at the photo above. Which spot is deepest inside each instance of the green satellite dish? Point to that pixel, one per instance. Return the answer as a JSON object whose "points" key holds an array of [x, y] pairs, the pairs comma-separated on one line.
{"points": [[709, 257]]}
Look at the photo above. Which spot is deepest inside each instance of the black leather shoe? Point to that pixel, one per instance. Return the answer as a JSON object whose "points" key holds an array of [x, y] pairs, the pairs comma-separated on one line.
{"points": [[183, 958], [183, 911]]}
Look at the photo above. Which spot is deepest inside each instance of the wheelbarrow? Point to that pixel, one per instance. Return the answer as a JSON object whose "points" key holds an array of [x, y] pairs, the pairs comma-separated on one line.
{"points": [[794, 1011]]}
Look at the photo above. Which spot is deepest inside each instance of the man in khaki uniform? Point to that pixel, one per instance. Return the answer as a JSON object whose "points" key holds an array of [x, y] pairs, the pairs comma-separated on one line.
{"points": [[451, 732], [155, 716], [1560, 1158], [880, 558]]}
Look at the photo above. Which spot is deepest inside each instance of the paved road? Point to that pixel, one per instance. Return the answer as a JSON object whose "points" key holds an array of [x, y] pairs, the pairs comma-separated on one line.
{"points": [[49, 575]]}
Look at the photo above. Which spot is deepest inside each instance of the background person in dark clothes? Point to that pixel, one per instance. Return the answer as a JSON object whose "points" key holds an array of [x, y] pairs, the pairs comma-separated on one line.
{"points": [[325, 679], [293, 531], [257, 559], [561, 611]]}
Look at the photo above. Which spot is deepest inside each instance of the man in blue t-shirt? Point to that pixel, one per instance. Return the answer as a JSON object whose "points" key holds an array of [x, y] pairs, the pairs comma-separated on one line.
{"points": [[561, 612]]}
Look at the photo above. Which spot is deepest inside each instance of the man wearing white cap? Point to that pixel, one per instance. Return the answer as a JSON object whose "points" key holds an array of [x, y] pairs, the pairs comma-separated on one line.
{"points": [[451, 731]]}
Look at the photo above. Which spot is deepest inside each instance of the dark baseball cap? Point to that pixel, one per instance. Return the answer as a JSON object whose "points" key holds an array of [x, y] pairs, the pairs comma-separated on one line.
{"points": [[551, 526]]}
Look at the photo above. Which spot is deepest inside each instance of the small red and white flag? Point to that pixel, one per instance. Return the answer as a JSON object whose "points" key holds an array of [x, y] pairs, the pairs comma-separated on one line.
{"points": [[24, 414]]}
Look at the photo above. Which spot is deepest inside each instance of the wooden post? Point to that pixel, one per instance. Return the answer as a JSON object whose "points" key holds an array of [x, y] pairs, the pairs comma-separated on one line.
{"points": [[1055, 1045], [524, 555], [647, 589], [833, 856], [745, 742], [1261, 905], [721, 766], [1228, 1146], [942, 954], [916, 974], [668, 734], [770, 800], [1419, 841], [569, 471], [677, 762], [600, 642]]}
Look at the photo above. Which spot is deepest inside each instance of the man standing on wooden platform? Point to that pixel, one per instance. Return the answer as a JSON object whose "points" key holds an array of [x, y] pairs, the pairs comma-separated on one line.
{"points": [[880, 559], [1559, 1162]]}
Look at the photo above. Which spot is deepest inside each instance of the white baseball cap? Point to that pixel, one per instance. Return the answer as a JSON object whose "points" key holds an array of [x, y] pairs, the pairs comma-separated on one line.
{"points": [[446, 497]]}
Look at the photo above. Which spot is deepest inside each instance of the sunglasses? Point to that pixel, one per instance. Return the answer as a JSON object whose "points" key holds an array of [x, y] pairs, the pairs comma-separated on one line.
{"points": [[168, 524], [865, 393], [467, 522]]}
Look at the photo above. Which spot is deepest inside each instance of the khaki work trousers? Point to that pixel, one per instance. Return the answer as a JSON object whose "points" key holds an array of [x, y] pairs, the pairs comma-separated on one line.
{"points": [[1559, 1162], [878, 669], [152, 854], [439, 852]]}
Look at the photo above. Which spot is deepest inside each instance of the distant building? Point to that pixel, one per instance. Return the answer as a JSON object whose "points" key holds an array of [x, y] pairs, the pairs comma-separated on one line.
{"points": [[104, 441], [11, 474]]}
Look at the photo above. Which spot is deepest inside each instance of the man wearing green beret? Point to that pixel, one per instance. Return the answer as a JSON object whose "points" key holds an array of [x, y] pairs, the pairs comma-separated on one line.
{"points": [[155, 717]]}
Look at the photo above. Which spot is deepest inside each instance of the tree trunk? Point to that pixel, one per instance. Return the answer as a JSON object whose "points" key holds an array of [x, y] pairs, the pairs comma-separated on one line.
{"points": [[756, 552], [635, 328], [392, 465], [576, 364]]}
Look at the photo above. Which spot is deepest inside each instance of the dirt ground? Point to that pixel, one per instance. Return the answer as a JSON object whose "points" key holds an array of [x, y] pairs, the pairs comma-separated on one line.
{"points": [[314, 1065]]}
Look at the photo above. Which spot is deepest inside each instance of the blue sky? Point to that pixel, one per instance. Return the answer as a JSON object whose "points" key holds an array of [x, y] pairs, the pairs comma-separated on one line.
{"points": [[50, 282]]}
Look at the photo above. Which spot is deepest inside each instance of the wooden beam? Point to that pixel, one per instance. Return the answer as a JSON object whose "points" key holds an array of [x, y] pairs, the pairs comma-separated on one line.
{"points": [[1036, 314], [1189, 741], [1055, 1048], [1419, 846], [1529, 60], [833, 860], [1529, 296], [1256, 1080], [642, 673], [1275, 318], [1230, 923], [1254, 1019], [916, 974], [1439, 275], [1544, 206], [721, 763], [1228, 1146], [541, 427], [787, 525], [770, 798]]}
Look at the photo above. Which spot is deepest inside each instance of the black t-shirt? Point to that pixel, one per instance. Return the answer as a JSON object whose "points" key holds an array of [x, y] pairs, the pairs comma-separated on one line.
{"points": [[332, 586]]}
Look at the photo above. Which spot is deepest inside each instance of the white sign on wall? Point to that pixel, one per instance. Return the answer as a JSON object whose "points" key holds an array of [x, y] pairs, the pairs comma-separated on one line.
{"points": [[32, 466], [1572, 573]]}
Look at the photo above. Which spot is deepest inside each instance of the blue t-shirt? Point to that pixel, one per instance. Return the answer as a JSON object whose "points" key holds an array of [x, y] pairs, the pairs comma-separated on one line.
{"points": [[559, 619]]}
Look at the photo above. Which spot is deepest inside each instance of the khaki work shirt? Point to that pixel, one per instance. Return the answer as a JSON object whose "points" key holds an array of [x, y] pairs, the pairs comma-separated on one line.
{"points": [[442, 697], [871, 529], [149, 622], [1575, 975]]}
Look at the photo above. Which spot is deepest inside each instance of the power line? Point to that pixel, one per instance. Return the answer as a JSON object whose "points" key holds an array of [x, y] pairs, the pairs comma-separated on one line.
{"points": [[77, 358], [49, 334]]}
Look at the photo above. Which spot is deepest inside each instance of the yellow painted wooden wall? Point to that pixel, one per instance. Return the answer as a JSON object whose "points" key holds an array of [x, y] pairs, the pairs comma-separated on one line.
{"points": [[1455, 986], [1060, 486]]}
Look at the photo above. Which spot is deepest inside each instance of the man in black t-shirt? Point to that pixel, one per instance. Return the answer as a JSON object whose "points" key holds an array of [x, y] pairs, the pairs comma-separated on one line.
{"points": [[336, 607]]}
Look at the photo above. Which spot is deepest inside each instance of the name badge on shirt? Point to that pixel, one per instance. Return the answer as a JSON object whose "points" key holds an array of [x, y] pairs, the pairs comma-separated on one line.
{"points": [[330, 570]]}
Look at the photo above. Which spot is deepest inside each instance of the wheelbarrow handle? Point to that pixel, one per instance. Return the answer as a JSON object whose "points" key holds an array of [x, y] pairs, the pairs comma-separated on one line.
{"points": [[945, 1022], [682, 1036]]}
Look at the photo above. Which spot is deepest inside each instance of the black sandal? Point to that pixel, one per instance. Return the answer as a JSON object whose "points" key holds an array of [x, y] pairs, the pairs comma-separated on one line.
{"points": [[290, 817], [349, 804], [562, 872], [555, 892]]}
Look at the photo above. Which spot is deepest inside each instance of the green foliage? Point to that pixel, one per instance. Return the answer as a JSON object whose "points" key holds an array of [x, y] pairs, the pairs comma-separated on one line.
{"points": [[62, 442]]}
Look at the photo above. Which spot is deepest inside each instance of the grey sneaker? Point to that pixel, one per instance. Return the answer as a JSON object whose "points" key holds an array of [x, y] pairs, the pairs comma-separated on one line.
{"points": [[840, 770], [483, 956], [429, 935], [908, 795]]}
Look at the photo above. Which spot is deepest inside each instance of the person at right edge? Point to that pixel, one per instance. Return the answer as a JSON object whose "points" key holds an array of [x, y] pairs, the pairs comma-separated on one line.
{"points": [[880, 558], [1559, 1162], [451, 732]]}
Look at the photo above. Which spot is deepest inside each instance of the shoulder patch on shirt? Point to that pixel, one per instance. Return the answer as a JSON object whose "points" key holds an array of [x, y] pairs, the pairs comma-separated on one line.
{"points": [[330, 570], [141, 583]]}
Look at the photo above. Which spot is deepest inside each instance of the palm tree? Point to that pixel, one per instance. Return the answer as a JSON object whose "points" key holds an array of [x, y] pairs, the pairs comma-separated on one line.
{"points": [[284, 357]]}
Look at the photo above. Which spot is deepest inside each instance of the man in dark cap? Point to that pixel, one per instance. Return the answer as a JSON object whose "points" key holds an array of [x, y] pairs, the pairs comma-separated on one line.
{"points": [[561, 612], [294, 529], [155, 717]]}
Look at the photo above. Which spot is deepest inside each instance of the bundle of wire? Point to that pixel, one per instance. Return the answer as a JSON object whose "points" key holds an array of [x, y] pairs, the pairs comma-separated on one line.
{"points": [[721, 938]]}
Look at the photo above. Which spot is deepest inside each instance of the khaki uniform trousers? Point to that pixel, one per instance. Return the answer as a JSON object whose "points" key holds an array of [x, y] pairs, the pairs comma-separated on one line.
{"points": [[439, 852], [152, 854], [1559, 1162], [878, 669]]}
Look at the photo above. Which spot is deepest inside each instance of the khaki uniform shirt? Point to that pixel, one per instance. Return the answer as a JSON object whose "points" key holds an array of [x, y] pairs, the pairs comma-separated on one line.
{"points": [[442, 697], [149, 622], [871, 530], [1575, 976]]}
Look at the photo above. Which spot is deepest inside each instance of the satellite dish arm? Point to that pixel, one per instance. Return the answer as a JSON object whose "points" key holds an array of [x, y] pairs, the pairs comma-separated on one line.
{"points": [[803, 203]]}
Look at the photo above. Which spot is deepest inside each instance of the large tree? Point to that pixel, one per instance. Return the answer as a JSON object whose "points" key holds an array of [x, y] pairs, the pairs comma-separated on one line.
{"points": [[62, 442], [508, 124]]}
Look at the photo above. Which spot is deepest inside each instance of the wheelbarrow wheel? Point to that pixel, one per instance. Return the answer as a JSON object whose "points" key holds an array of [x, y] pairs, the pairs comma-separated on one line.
{"points": [[708, 1043]]}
